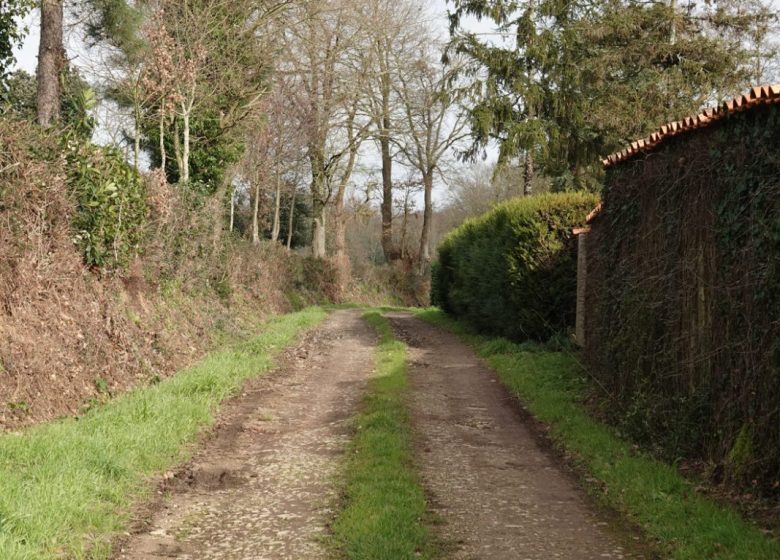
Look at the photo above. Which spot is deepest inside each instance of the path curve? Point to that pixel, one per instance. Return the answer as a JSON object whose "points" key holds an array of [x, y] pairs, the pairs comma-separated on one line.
{"points": [[499, 494], [262, 487]]}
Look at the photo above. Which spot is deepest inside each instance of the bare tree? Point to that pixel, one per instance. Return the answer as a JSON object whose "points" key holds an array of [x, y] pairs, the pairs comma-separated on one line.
{"points": [[256, 170], [392, 41], [318, 80], [273, 152], [355, 135], [406, 206], [434, 126], [291, 219]]}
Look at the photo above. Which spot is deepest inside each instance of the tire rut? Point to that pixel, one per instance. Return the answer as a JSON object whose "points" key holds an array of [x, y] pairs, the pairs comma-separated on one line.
{"points": [[261, 486], [499, 493]]}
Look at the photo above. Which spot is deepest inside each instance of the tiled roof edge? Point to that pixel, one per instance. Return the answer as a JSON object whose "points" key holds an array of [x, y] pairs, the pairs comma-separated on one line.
{"points": [[594, 213], [764, 95]]}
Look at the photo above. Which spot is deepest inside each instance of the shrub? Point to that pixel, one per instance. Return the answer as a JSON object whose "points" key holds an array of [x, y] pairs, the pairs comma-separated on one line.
{"points": [[311, 281], [110, 202], [512, 271], [437, 298]]}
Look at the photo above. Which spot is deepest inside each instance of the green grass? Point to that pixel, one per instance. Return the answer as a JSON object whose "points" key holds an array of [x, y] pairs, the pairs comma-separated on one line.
{"points": [[686, 525], [67, 487], [384, 511]]}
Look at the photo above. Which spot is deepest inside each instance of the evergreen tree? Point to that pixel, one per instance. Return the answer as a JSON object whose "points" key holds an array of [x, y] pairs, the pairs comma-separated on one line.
{"points": [[115, 22], [75, 103], [11, 35], [565, 82]]}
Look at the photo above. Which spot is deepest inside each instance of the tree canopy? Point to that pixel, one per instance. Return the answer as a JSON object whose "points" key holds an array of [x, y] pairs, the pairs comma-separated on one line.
{"points": [[564, 82], [11, 34]]}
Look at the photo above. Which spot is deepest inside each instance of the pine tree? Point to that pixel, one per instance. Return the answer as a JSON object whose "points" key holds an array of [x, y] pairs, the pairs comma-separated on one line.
{"points": [[565, 82], [52, 60]]}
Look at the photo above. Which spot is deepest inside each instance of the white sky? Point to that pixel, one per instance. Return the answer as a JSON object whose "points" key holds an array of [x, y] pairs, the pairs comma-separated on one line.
{"points": [[27, 56]]}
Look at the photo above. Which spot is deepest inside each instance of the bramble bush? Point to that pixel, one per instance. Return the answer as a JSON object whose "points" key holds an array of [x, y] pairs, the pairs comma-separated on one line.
{"points": [[513, 271]]}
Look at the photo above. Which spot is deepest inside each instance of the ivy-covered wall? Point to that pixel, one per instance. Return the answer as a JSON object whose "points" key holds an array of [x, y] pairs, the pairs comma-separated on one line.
{"points": [[683, 297]]}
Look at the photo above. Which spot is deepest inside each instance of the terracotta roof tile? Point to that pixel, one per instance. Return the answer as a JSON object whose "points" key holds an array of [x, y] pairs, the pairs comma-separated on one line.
{"points": [[763, 95], [595, 212]]}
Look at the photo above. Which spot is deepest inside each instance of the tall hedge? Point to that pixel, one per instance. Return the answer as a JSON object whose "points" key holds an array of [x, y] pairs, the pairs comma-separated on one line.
{"points": [[512, 271]]}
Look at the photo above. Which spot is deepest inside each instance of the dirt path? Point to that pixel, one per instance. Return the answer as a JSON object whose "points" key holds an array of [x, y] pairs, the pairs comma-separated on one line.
{"points": [[261, 487], [500, 495]]}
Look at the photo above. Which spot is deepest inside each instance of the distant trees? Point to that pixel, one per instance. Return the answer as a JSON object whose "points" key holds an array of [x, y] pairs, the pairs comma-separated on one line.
{"points": [[432, 128], [320, 79], [227, 97], [272, 164], [480, 187]]}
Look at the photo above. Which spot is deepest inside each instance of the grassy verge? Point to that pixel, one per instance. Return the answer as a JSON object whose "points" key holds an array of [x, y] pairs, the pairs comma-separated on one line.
{"points": [[66, 487], [385, 506], [654, 495]]}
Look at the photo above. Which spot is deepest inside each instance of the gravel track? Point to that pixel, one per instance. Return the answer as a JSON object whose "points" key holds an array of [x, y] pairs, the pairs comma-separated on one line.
{"points": [[261, 487], [501, 495]]}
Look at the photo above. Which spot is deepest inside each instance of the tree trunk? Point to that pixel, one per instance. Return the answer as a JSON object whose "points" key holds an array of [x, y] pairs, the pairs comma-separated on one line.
{"points": [[163, 155], [340, 234], [528, 173], [232, 208], [137, 139], [319, 200], [387, 161], [343, 265], [184, 172], [291, 219], [256, 216], [177, 148], [277, 211], [387, 200], [405, 227], [318, 249], [51, 61], [425, 250]]}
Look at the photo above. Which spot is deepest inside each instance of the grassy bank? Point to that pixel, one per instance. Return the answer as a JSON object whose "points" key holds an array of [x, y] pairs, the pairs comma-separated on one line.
{"points": [[653, 495], [66, 487], [385, 506]]}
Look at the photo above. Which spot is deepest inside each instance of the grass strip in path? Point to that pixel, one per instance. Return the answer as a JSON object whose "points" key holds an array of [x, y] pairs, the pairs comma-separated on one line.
{"points": [[383, 517], [552, 385], [66, 487]]}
